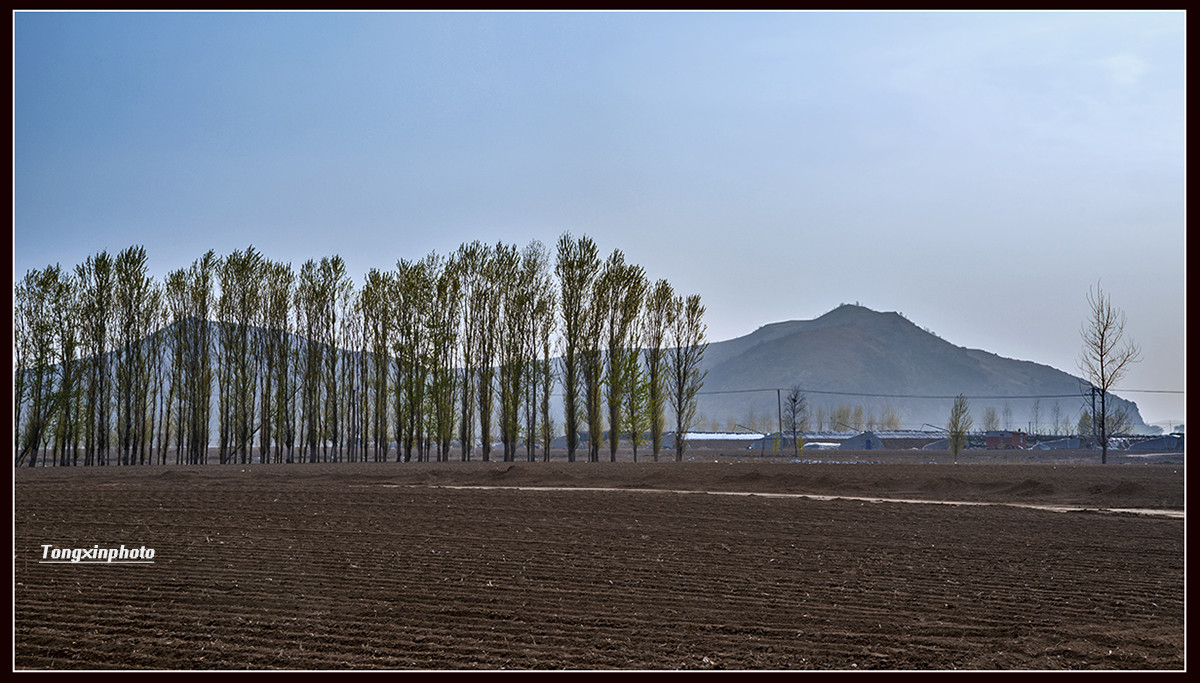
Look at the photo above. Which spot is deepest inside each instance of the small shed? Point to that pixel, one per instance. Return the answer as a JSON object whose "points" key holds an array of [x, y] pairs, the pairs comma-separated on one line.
{"points": [[1004, 439], [867, 441]]}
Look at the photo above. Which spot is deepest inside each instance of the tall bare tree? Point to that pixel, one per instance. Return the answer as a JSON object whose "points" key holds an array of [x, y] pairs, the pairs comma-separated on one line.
{"points": [[203, 277], [189, 300], [335, 298], [470, 260], [64, 307], [163, 383], [351, 342], [623, 288], [22, 343], [1105, 359], [310, 324], [377, 315], [175, 297], [591, 367], [274, 356], [238, 310], [658, 321], [545, 369], [488, 306], [412, 299], [137, 301], [688, 344], [33, 302], [337, 290], [635, 411], [536, 339], [512, 289], [443, 325], [577, 266]]}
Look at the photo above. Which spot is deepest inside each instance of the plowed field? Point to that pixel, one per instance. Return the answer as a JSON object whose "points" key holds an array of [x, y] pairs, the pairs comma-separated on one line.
{"points": [[602, 566]]}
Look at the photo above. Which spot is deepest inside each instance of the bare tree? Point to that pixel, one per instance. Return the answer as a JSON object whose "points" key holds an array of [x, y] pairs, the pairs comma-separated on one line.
{"points": [[443, 343], [33, 302], [189, 298], [137, 301], [890, 419], [487, 305], [377, 318], [637, 394], [309, 325], [64, 310], [352, 344], [654, 338], [470, 260], [512, 286], [1056, 419], [959, 424], [21, 348], [991, 419], [275, 316], [96, 293], [622, 290], [238, 311], [535, 264], [795, 414], [577, 265], [544, 370], [688, 344], [1105, 359], [337, 288], [412, 298]]}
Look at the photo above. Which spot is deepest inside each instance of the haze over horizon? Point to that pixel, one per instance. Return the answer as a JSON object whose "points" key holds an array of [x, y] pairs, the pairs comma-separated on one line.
{"points": [[975, 171]]}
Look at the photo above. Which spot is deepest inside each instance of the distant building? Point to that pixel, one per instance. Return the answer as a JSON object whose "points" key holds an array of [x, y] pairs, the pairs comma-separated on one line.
{"points": [[1004, 440], [867, 441], [1171, 442]]}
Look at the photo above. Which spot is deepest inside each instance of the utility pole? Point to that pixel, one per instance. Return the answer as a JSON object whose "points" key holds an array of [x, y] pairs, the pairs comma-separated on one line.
{"points": [[779, 404]]}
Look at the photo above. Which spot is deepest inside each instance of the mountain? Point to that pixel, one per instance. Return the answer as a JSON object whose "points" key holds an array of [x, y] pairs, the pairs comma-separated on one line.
{"points": [[853, 356]]}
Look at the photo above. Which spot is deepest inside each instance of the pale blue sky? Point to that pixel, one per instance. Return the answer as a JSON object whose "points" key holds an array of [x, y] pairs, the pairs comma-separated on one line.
{"points": [[976, 171]]}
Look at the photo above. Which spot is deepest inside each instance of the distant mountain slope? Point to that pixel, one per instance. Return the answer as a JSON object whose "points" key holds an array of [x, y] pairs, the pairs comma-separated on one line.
{"points": [[858, 357]]}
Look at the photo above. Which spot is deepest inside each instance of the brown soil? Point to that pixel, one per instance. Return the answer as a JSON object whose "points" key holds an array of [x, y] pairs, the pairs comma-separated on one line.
{"points": [[364, 566]]}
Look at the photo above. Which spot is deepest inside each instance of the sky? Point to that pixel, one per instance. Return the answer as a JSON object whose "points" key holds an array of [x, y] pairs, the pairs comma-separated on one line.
{"points": [[977, 172]]}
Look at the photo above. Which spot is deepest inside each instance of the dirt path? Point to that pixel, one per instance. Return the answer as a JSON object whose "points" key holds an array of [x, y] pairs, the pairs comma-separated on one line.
{"points": [[1174, 514]]}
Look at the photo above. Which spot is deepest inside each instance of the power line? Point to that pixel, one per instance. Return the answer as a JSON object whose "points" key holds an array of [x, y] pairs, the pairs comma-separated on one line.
{"points": [[928, 396], [925, 396]]}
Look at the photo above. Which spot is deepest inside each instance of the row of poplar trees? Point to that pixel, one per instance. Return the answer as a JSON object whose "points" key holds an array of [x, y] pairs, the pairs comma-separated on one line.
{"points": [[441, 354]]}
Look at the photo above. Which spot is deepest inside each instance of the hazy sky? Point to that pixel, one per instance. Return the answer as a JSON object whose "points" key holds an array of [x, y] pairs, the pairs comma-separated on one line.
{"points": [[976, 171]]}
